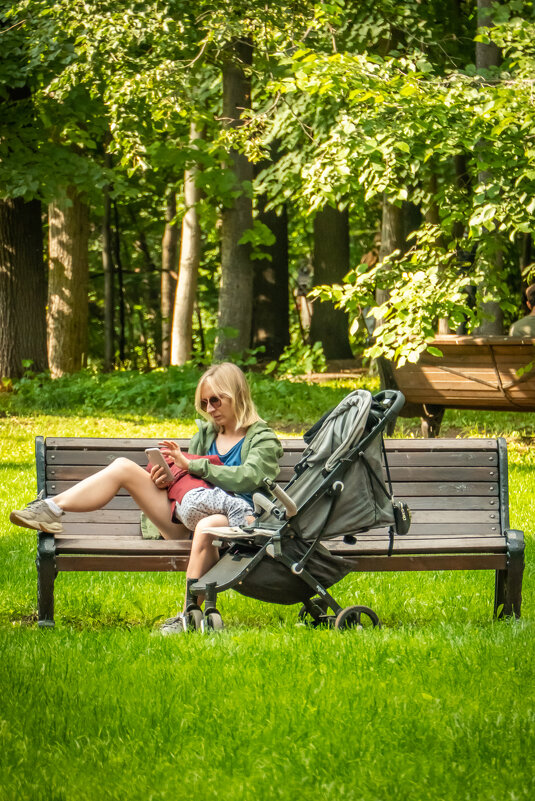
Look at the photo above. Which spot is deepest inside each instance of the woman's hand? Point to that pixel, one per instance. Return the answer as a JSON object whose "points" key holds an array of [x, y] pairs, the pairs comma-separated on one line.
{"points": [[173, 452], [159, 477]]}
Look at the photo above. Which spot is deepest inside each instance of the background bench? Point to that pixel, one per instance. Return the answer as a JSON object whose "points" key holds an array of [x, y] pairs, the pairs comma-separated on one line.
{"points": [[473, 373], [457, 490]]}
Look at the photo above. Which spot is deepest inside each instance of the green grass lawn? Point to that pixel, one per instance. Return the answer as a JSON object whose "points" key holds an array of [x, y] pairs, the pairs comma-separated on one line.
{"points": [[438, 704]]}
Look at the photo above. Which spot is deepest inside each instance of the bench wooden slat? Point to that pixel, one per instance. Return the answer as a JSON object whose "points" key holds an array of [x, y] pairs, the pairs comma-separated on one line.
{"points": [[418, 473], [127, 445], [484, 384], [396, 459], [76, 472], [97, 444], [464, 373], [402, 490], [441, 445], [55, 487], [402, 545], [442, 459], [122, 563], [99, 544], [365, 564], [438, 504], [90, 530], [104, 458], [112, 517], [445, 489], [460, 502], [394, 564]]}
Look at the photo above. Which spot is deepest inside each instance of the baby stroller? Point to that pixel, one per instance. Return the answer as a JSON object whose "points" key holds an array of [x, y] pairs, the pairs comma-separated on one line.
{"points": [[337, 491]]}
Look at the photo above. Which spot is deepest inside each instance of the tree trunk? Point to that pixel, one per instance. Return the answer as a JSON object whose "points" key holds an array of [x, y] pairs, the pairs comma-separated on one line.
{"points": [[331, 263], [150, 286], [120, 281], [526, 251], [236, 292], [392, 237], [271, 313], [463, 183], [109, 294], [190, 254], [22, 288], [488, 55], [68, 232], [432, 217], [169, 273]]}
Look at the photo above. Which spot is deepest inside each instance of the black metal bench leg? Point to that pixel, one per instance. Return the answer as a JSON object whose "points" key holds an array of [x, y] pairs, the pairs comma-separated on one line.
{"points": [[46, 574], [431, 421], [508, 593]]}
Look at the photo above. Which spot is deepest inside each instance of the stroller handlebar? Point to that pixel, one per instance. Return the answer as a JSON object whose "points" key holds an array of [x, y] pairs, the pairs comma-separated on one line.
{"points": [[392, 399], [283, 497]]}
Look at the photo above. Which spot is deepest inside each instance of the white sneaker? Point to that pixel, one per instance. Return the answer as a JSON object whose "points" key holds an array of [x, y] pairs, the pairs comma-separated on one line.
{"points": [[37, 515], [174, 625]]}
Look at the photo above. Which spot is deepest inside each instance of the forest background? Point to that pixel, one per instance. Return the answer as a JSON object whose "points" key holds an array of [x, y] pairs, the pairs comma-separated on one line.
{"points": [[176, 176]]}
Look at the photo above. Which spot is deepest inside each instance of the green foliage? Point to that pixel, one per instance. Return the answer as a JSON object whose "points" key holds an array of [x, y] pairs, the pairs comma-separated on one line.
{"points": [[259, 236], [162, 394], [386, 120], [425, 284], [159, 393], [358, 102], [298, 358]]}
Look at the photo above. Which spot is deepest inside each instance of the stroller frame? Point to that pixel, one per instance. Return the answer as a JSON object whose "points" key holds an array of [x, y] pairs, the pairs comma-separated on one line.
{"points": [[229, 572]]}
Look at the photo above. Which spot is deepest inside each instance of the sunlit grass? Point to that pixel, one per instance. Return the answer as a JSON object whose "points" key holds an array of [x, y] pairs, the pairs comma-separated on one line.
{"points": [[437, 704]]}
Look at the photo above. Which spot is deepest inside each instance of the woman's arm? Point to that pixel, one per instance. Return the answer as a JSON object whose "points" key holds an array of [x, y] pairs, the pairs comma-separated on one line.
{"points": [[261, 461]]}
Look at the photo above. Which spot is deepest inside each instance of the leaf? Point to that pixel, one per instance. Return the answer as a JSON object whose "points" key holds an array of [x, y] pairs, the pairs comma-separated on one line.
{"points": [[354, 327]]}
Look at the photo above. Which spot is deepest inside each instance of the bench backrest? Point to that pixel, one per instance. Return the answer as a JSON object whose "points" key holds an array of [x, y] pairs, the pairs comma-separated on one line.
{"points": [[451, 485], [473, 373]]}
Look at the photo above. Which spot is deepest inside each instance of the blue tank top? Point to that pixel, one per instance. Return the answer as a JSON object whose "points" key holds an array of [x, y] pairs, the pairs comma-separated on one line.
{"points": [[231, 458]]}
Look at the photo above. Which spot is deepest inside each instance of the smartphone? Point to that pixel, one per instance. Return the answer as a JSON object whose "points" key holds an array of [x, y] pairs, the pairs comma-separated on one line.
{"points": [[156, 457]]}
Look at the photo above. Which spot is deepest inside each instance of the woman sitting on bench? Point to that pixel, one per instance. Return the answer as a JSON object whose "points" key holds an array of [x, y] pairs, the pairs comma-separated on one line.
{"points": [[247, 451]]}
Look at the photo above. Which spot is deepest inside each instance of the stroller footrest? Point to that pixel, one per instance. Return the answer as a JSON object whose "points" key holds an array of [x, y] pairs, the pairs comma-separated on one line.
{"points": [[228, 571], [235, 534]]}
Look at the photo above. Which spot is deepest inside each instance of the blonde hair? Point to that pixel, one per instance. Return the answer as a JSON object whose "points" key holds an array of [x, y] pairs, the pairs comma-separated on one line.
{"points": [[227, 380]]}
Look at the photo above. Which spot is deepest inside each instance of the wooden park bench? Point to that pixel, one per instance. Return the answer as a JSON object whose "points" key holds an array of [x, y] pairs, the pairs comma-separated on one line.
{"points": [[473, 373], [457, 490]]}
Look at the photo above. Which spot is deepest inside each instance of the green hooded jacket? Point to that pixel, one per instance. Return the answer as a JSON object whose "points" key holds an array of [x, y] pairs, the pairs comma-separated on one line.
{"points": [[260, 454]]}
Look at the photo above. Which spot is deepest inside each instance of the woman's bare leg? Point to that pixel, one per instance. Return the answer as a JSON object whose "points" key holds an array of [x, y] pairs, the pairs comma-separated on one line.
{"points": [[97, 490], [204, 555]]}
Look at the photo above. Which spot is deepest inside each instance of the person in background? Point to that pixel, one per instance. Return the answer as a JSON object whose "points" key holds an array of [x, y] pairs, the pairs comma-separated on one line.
{"points": [[525, 327]]}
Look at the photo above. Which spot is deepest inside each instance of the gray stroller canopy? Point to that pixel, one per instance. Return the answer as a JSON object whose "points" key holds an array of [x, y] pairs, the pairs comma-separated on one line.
{"points": [[362, 504]]}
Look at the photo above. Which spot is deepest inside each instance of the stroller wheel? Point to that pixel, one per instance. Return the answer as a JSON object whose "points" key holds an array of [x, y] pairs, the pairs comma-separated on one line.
{"points": [[192, 620], [196, 616], [212, 622], [357, 617], [312, 611]]}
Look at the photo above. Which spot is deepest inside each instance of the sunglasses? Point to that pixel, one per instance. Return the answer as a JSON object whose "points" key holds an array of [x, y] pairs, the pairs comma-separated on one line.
{"points": [[213, 401]]}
